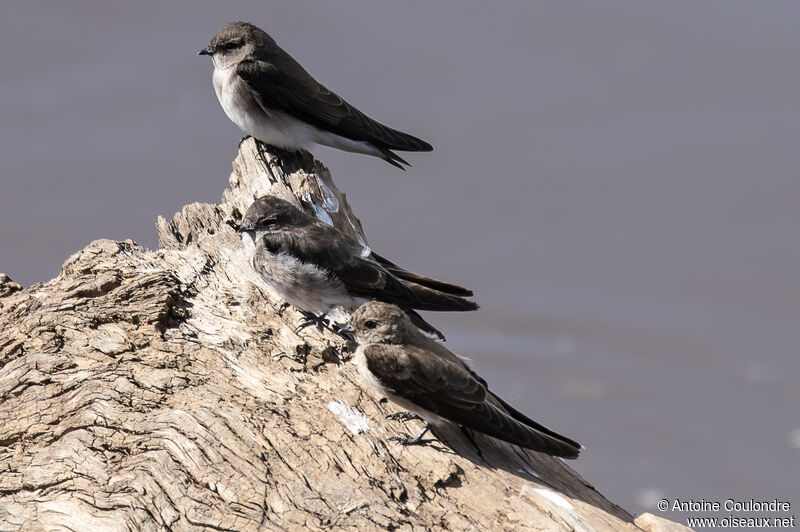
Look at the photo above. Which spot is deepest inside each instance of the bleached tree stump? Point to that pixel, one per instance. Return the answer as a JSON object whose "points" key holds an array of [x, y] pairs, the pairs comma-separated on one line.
{"points": [[166, 390]]}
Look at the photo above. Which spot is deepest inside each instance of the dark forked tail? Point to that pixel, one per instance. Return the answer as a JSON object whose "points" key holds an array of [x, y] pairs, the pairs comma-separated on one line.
{"points": [[493, 421], [431, 299], [402, 273]]}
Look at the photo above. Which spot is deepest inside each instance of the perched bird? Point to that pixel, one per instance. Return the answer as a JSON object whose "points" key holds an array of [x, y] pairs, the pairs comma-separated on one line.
{"points": [[317, 269], [425, 377], [265, 92]]}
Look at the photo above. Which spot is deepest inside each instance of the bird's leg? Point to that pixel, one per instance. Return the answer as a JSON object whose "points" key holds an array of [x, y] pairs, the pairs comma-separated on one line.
{"points": [[290, 160], [286, 157], [312, 319], [408, 440], [404, 416], [261, 150]]}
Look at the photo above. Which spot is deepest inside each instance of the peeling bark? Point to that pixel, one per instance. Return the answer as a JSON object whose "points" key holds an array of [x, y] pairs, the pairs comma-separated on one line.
{"points": [[166, 389]]}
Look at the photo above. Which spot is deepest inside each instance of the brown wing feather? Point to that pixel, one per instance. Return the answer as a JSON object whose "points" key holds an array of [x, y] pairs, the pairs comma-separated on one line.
{"points": [[301, 96], [451, 391], [325, 247], [402, 273], [322, 245]]}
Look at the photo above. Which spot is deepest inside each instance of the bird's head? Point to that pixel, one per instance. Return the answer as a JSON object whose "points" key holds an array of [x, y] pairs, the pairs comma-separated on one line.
{"points": [[234, 42], [269, 214], [376, 322]]}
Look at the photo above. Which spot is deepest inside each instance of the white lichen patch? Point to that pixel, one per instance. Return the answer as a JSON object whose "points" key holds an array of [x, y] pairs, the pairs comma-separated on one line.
{"points": [[351, 418], [329, 202], [319, 212], [551, 496]]}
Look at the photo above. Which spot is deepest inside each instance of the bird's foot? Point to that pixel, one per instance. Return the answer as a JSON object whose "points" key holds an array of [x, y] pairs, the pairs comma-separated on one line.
{"points": [[289, 161], [283, 308], [408, 440], [403, 416], [244, 139], [312, 319], [263, 156]]}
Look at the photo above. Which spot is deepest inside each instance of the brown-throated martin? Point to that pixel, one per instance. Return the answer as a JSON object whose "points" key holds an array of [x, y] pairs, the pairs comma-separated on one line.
{"points": [[265, 92], [319, 269], [425, 377]]}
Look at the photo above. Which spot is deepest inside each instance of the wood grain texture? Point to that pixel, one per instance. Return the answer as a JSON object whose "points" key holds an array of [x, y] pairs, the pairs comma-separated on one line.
{"points": [[166, 390]]}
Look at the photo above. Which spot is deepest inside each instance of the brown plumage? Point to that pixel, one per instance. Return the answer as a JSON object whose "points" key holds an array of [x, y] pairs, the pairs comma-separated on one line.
{"points": [[270, 96], [424, 376], [316, 268]]}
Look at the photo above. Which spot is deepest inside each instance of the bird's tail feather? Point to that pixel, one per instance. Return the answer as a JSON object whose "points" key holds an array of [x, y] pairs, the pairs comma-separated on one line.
{"points": [[492, 421], [431, 299], [435, 284], [394, 159], [522, 418]]}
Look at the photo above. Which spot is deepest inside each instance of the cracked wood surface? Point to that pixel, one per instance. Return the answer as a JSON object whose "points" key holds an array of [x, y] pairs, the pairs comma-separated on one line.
{"points": [[166, 390]]}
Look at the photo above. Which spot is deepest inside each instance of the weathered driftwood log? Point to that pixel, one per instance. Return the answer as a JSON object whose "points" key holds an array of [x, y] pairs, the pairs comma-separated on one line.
{"points": [[166, 389]]}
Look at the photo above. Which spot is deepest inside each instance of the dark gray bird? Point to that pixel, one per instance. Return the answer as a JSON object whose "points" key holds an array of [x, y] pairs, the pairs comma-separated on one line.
{"points": [[317, 269], [423, 376], [265, 92]]}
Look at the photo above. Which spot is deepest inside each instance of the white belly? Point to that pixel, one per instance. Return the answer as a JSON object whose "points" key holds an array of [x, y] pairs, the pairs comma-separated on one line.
{"points": [[302, 285], [360, 361], [274, 127]]}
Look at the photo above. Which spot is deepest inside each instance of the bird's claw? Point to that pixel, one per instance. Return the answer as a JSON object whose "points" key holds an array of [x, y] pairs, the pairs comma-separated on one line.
{"points": [[403, 416], [403, 439], [263, 156], [408, 440], [310, 319]]}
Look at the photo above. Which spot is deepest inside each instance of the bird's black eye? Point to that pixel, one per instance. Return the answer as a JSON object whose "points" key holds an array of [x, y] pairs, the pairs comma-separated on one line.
{"points": [[369, 324], [231, 45]]}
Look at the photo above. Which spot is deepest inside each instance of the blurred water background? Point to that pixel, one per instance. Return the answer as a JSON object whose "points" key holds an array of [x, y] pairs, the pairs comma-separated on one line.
{"points": [[617, 181]]}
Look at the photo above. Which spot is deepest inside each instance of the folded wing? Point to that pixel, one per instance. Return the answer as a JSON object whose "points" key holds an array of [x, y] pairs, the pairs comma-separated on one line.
{"points": [[302, 97], [449, 390]]}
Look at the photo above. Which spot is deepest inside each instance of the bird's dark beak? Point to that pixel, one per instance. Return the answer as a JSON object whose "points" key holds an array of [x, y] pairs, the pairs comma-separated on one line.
{"points": [[206, 51], [245, 229]]}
